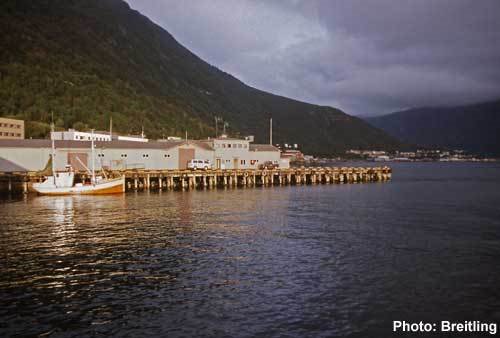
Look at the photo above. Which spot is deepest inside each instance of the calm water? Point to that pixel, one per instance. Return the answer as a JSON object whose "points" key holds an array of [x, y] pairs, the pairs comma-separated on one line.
{"points": [[314, 261]]}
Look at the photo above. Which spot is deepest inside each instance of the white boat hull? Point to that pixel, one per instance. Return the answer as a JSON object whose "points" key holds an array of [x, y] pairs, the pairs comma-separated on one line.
{"points": [[106, 187]]}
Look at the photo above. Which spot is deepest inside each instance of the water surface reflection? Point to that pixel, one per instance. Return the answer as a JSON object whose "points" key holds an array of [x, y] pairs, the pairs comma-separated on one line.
{"points": [[339, 260]]}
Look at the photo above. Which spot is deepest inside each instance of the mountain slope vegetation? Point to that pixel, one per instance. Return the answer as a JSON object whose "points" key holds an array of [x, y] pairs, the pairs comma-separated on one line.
{"points": [[82, 61]]}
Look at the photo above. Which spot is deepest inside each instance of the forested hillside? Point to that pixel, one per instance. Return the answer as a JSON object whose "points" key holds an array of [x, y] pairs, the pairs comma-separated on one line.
{"points": [[83, 61]]}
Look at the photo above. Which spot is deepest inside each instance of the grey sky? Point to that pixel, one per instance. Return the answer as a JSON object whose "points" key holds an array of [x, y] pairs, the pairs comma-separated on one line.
{"points": [[365, 57]]}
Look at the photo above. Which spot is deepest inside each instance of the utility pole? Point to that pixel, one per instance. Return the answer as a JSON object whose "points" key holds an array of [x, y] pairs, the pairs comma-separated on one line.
{"points": [[216, 126], [53, 162], [93, 157], [111, 127], [271, 131]]}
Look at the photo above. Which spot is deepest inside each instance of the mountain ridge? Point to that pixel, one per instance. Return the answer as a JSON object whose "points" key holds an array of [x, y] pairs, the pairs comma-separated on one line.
{"points": [[85, 61], [473, 127]]}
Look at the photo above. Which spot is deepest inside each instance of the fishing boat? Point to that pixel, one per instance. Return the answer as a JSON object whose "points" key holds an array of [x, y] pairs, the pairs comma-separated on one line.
{"points": [[63, 183]]}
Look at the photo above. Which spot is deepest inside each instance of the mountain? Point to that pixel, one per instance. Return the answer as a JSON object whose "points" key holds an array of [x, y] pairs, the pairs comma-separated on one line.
{"points": [[475, 127], [82, 61]]}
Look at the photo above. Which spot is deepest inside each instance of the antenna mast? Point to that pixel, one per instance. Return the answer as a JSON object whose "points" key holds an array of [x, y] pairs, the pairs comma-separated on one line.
{"points": [[271, 131], [53, 152], [216, 126], [93, 157]]}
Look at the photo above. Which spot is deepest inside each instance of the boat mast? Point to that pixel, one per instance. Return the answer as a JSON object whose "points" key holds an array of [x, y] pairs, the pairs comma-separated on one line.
{"points": [[93, 157], [53, 164]]}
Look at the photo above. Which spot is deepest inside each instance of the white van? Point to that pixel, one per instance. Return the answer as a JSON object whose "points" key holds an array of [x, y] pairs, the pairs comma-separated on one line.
{"points": [[199, 164]]}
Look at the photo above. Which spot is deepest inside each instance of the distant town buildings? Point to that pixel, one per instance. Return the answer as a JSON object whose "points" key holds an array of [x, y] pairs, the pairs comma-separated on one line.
{"points": [[11, 129], [74, 135], [103, 136], [424, 155]]}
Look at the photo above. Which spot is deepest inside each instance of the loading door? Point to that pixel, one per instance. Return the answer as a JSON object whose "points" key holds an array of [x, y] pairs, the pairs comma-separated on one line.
{"points": [[185, 155]]}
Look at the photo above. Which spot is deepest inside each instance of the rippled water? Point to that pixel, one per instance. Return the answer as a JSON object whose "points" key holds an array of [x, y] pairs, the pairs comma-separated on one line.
{"points": [[336, 260]]}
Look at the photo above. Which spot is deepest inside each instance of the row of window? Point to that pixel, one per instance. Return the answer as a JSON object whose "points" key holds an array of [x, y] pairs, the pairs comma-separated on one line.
{"points": [[143, 155], [168, 155], [10, 125], [89, 138], [244, 162], [10, 134], [231, 145]]}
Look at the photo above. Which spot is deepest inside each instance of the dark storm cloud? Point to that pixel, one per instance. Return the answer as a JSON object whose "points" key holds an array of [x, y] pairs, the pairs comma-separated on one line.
{"points": [[366, 57]]}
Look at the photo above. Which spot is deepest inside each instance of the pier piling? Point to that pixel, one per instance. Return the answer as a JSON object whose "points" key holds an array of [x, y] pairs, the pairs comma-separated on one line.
{"points": [[209, 179]]}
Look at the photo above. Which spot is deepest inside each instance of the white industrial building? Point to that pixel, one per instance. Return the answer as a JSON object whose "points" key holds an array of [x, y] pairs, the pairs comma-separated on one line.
{"points": [[74, 135], [103, 136], [223, 153]]}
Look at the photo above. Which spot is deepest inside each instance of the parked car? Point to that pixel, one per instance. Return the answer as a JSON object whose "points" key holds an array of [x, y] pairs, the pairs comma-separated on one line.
{"points": [[199, 164], [269, 165]]}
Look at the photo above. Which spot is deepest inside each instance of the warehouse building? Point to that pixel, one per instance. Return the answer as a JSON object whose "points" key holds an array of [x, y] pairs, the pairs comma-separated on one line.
{"points": [[223, 153]]}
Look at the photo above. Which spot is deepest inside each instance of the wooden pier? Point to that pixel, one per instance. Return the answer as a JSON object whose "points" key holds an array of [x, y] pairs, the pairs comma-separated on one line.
{"points": [[137, 179]]}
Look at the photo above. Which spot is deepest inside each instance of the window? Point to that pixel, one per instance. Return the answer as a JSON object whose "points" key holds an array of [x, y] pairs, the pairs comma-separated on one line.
{"points": [[18, 135], [235, 145], [124, 155], [229, 145], [166, 155], [243, 162], [223, 145], [1, 134], [227, 161], [240, 145], [245, 145], [145, 155]]}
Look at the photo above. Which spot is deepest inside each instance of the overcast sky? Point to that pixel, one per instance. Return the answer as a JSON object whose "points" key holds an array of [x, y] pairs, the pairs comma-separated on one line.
{"points": [[365, 57]]}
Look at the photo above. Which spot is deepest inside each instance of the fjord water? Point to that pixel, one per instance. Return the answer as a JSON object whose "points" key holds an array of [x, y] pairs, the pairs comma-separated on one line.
{"points": [[299, 261]]}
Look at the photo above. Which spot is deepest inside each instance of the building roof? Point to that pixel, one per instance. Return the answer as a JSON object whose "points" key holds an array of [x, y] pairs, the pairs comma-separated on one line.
{"points": [[116, 144], [228, 139], [11, 120], [207, 145], [9, 166], [263, 147]]}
